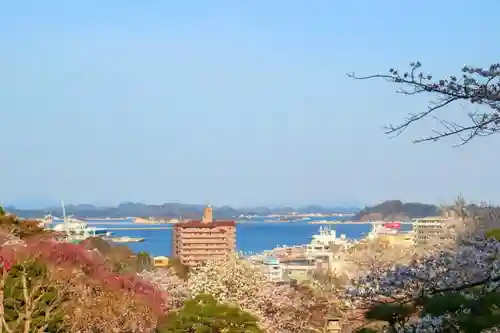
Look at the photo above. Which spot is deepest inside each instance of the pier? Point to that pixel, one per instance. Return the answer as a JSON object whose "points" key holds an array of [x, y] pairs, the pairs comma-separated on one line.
{"points": [[353, 222], [104, 222], [139, 228]]}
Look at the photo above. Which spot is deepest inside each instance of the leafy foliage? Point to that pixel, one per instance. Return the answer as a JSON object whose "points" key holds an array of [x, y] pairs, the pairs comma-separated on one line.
{"points": [[389, 312], [49, 285], [494, 233], [454, 290], [205, 314], [472, 312], [94, 266], [32, 301], [119, 257], [181, 270], [366, 330], [143, 262], [20, 228]]}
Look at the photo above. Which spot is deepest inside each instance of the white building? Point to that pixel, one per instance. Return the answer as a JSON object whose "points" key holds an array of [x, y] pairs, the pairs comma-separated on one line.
{"points": [[324, 248], [272, 269], [432, 228]]}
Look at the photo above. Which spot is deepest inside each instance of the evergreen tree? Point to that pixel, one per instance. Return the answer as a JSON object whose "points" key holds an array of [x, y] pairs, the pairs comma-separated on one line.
{"points": [[32, 302], [204, 314]]}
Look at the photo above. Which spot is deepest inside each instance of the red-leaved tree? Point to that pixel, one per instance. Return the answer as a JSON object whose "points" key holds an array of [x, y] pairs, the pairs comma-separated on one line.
{"points": [[99, 300]]}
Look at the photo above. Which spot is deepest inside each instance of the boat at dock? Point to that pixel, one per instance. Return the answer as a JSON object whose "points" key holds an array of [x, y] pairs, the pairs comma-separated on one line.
{"points": [[72, 222], [323, 222], [107, 219], [73, 230], [276, 221], [124, 239]]}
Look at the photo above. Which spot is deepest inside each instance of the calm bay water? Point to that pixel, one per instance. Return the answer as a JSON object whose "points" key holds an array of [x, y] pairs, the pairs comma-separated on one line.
{"points": [[250, 237]]}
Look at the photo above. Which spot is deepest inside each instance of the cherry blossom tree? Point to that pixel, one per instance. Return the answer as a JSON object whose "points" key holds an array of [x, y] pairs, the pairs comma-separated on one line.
{"points": [[373, 255], [168, 281], [94, 309], [79, 291], [451, 291], [93, 266], [477, 86], [280, 308]]}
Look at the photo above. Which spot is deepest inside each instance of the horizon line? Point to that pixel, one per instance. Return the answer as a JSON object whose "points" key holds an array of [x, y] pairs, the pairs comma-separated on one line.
{"points": [[54, 205]]}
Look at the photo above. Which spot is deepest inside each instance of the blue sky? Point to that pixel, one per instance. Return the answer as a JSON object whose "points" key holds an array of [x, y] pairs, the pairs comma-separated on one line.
{"points": [[233, 102]]}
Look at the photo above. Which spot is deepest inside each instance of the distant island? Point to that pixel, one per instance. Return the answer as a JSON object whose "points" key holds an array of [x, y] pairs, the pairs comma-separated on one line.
{"points": [[171, 210], [396, 210]]}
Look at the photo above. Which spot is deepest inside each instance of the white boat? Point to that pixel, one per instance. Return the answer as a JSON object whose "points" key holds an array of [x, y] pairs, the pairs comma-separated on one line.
{"points": [[323, 222], [125, 239], [76, 230], [48, 219]]}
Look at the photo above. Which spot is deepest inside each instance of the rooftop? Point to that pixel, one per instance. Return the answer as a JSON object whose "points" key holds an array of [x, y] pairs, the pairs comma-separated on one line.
{"points": [[430, 219], [201, 224]]}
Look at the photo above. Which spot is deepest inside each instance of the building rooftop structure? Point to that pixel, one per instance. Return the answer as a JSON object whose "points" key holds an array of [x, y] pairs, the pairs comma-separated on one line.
{"points": [[194, 242]]}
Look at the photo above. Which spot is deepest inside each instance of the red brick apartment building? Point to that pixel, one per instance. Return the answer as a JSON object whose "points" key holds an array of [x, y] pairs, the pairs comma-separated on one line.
{"points": [[194, 242]]}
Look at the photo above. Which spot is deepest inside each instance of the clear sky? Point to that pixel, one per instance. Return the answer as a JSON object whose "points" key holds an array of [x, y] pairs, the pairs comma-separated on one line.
{"points": [[234, 102]]}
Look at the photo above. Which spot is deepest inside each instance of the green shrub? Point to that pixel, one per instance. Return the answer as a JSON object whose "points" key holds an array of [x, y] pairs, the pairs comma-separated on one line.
{"points": [[495, 233], [204, 314]]}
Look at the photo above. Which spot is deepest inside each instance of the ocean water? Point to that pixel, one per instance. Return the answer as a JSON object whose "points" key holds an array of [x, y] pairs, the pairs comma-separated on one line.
{"points": [[250, 236]]}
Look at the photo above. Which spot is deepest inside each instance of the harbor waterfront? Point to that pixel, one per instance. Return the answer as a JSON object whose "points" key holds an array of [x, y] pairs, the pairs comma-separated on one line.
{"points": [[252, 236]]}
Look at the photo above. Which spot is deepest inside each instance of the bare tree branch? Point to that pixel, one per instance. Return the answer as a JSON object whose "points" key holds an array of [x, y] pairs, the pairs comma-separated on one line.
{"points": [[477, 86], [40, 297], [3, 323]]}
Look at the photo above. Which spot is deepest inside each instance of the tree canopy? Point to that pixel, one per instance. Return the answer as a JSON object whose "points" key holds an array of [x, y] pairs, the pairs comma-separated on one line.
{"points": [[48, 285], [477, 86], [204, 314], [449, 289], [20, 228]]}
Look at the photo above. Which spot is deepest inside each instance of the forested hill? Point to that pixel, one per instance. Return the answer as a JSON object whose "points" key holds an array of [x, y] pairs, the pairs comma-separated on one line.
{"points": [[396, 210], [172, 210]]}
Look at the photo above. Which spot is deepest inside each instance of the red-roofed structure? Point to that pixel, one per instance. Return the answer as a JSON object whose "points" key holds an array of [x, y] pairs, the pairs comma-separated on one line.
{"points": [[194, 242]]}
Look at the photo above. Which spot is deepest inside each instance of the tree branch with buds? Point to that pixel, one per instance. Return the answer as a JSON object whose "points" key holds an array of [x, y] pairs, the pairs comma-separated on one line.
{"points": [[477, 86]]}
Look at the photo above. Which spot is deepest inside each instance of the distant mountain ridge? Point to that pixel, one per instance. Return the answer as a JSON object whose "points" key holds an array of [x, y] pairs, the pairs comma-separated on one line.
{"points": [[396, 210], [173, 210]]}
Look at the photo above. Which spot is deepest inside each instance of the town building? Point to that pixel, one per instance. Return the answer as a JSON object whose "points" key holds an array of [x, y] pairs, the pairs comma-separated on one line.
{"points": [[194, 242], [272, 269], [299, 272], [430, 229], [161, 261]]}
